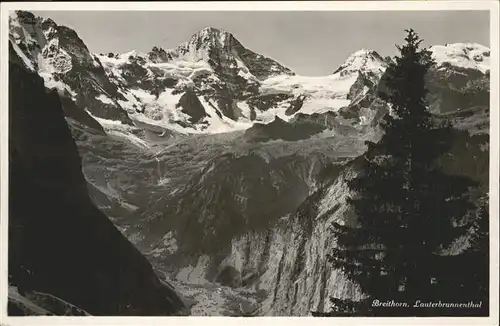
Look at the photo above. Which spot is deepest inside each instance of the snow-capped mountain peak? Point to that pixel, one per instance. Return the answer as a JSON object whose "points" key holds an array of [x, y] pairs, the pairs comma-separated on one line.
{"points": [[364, 53], [220, 49], [364, 60], [463, 55], [199, 46], [210, 83], [350, 82]]}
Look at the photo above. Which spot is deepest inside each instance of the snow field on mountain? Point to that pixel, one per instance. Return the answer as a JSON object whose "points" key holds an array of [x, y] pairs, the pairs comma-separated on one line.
{"points": [[120, 130], [464, 55], [324, 93], [330, 86], [163, 110], [183, 68]]}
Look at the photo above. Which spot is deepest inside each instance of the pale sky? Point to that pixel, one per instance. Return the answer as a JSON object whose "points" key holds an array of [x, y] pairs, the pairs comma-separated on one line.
{"points": [[310, 43]]}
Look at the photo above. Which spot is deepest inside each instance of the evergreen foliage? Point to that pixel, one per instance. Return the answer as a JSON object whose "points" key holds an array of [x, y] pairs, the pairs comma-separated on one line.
{"points": [[408, 211]]}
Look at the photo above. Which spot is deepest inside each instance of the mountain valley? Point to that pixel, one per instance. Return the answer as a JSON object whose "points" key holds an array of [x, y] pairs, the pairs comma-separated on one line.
{"points": [[225, 168]]}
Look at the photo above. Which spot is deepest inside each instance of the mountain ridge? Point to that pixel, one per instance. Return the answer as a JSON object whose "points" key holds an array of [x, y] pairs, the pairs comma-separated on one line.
{"points": [[234, 87]]}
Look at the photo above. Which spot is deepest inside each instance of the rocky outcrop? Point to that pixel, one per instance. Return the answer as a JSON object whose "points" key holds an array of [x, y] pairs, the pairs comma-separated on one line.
{"points": [[60, 244], [280, 129], [192, 106], [455, 88], [264, 102], [295, 105]]}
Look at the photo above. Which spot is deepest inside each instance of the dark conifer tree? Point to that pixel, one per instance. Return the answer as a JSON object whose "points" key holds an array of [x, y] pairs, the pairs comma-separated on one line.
{"points": [[407, 210], [480, 246]]}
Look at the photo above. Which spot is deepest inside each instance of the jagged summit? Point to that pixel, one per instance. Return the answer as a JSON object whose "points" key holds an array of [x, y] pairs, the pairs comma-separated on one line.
{"points": [[362, 60], [49, 22], [364, 52], [221, 50], [210, 37], [212, 31], [199, 46]]}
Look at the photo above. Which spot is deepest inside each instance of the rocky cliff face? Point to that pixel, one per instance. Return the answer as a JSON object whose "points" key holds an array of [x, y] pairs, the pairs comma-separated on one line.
{"points": [[60, 244], [288, 260]]}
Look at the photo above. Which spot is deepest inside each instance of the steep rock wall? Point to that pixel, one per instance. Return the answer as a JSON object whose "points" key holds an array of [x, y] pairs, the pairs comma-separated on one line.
{"points": [[59, 242]]}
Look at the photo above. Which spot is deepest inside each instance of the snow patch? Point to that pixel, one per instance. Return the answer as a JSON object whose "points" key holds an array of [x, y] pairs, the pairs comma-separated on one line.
{"points": [[133, 139], [217, 124], [51, 83], [104, 99], [245, 109], [27, 62]]}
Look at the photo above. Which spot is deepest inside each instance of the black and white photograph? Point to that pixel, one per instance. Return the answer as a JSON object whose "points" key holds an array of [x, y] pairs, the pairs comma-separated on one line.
{"points": [[249, 163]]}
